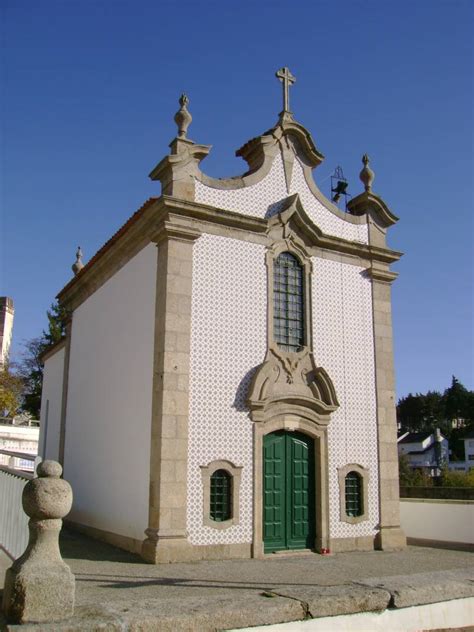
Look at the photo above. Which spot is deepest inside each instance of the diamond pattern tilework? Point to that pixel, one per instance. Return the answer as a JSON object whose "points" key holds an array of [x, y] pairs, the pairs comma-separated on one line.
{"points": [[321, 216], [255, 200], [264, 200], [343, 345], [228, 340]]}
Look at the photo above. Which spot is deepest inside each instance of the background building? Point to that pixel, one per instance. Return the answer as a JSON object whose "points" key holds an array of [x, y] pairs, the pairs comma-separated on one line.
{"points": [[7, 313]]}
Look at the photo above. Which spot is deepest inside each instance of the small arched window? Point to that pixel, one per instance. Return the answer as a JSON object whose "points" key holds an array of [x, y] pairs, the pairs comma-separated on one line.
{"points": [[288, 307], [221, 496], [354, 495]]}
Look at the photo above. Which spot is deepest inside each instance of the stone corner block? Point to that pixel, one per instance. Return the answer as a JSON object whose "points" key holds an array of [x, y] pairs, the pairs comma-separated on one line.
{"points": [[390, 539], [29, 591], [168, 550]]}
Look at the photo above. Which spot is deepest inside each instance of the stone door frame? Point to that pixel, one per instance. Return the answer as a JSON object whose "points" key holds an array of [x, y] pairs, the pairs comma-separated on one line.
{"points": [[291, 423]]}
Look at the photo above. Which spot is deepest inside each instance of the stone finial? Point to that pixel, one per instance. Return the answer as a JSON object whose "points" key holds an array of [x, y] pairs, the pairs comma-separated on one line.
{"points": [[367, 176], [78, 265], [39, 586], [182, 117]]}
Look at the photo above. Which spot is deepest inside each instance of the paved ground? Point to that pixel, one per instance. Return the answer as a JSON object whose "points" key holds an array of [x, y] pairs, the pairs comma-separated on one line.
{"points": [[118, 590]]}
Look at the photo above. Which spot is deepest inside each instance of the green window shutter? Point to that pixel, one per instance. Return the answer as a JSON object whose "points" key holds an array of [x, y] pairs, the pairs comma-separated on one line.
{"points": [[288, 308], [221, 496], [354, 495]]}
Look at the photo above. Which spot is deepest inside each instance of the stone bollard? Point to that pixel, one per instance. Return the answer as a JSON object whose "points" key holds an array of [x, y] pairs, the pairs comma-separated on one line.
{"points": [[39, 586]]}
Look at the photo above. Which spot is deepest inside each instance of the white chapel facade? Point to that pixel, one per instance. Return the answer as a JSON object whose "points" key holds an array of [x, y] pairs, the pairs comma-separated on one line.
{"points": [[226, 388]]}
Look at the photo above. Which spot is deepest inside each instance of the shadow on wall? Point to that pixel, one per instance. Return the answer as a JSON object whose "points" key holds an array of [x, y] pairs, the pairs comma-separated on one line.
{"points": [[240, 400]]}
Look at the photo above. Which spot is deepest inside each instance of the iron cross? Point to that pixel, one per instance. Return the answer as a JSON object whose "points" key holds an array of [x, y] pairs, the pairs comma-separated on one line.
{"points": [[285, 76]]}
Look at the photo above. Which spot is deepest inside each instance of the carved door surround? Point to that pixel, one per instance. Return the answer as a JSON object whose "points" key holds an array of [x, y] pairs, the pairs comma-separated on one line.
{"points": [[289, 391]]}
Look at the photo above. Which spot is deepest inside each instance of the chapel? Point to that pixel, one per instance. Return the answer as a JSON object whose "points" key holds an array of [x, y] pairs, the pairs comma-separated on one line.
{"points": [[225, 388]]}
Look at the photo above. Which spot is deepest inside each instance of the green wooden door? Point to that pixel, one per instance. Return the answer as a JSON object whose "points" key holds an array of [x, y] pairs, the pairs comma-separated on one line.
{"points": [[288, 490]]}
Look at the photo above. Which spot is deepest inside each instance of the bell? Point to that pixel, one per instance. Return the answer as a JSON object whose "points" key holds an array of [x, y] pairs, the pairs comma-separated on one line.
{"points": [[339, 189]]}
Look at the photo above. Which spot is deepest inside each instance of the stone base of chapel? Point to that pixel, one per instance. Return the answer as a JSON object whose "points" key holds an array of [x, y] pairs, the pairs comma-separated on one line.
{"points": [[390, 539], [166, 550], [343, 545]]}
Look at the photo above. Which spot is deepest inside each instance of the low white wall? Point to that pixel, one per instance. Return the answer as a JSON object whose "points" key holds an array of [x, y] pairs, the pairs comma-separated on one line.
{"points": [[18, 439], [51, 402], [441, 520]]}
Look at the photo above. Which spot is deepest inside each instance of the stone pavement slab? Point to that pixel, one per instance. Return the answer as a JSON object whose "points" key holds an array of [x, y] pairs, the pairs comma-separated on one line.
{"points": [[424, 588], [116, 590]]}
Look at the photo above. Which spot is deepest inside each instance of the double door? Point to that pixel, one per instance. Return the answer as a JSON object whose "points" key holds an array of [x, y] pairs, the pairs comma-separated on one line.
{"points": [[288, 490]]}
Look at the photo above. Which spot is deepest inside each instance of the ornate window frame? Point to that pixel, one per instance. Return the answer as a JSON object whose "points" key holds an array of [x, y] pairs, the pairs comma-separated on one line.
{"points": [[364, 474], [291, 245], [235, 473]]}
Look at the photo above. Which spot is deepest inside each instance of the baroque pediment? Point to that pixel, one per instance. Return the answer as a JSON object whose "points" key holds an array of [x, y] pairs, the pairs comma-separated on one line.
{"points": [[292, 384], [291, 221]]}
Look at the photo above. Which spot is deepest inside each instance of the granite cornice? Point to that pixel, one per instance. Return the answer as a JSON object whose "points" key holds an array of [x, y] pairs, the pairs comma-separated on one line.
{"points": [[50, 351], [380, 274], [185, 219], [368, 203], [293, 213], [113, 257]]}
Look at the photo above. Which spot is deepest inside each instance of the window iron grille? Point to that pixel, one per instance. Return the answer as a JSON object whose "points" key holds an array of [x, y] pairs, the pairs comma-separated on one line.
{"points": [[354, 495], [221, 496], [288, 308]]}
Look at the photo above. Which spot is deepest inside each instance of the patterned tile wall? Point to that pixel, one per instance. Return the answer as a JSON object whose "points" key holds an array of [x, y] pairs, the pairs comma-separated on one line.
{"points": [[254, 200], [343, 345], [321, 216], [261, 200], [228, 341]]}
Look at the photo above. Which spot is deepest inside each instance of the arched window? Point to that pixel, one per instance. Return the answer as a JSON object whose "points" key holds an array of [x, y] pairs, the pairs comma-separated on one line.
{"points": [[221, 496], [354, 495], [288, 308]]}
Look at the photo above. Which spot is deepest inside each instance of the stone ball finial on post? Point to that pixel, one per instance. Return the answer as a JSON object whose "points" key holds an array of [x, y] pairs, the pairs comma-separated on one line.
{"points": [[39, 586]]}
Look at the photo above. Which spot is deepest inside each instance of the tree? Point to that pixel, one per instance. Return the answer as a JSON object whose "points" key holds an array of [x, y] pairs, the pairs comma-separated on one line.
{"points": [[11, 392], [31, 371], [31, 366], [456, 400], [427, 411], [410, 412], [57, 318]]}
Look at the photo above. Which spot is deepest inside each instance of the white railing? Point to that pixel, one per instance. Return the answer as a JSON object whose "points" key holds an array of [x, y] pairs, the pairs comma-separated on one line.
{"points": [[13, 520], [16, 460]]}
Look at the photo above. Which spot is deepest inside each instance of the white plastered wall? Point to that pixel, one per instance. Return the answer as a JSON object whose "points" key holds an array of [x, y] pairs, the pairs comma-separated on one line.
{"points": [[228, 342], [108, 425], [51, 402], [343, 346]]}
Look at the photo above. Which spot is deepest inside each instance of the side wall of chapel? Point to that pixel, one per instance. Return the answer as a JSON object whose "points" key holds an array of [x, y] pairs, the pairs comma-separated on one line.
{"points": [[108, 420], [51, 400]]}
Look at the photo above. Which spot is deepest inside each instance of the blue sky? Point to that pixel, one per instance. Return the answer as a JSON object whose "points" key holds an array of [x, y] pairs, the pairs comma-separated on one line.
{"points": [[89, 90]]}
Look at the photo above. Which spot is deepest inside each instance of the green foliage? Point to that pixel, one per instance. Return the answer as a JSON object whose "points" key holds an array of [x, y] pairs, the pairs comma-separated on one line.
{"points": [[57, 318], [11, 391], [31, 367], [31, 370], [427, 411], [456, 479], [412, 477]]}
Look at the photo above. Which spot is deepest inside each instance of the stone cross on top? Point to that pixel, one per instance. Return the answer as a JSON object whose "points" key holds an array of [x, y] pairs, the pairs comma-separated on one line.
{"points": [[285, 76]]}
